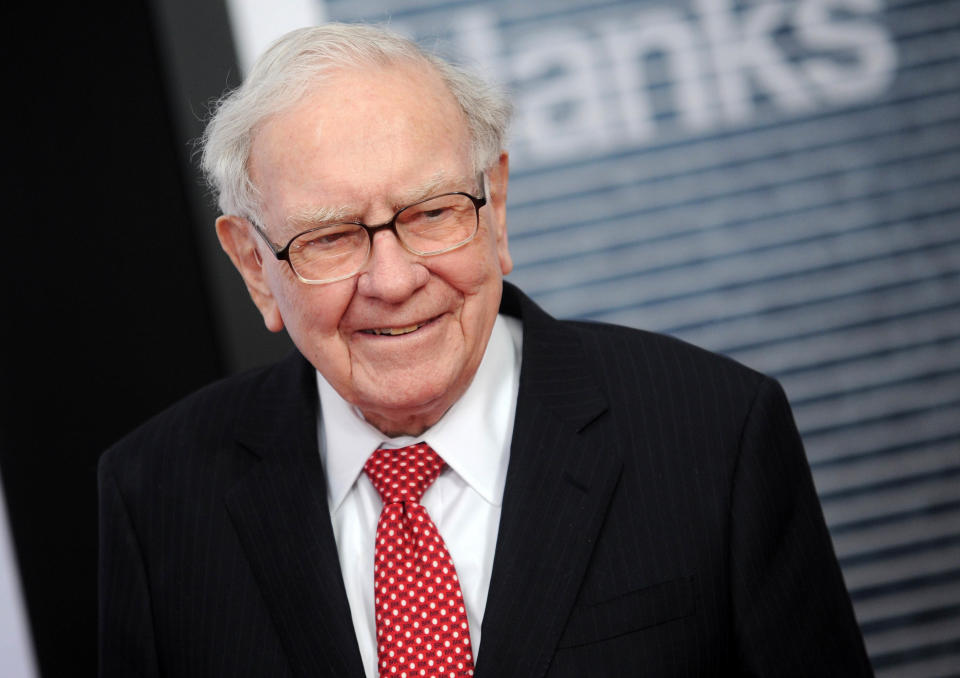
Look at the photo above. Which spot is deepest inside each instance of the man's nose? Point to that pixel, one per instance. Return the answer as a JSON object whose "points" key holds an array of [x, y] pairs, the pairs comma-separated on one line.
{"points": [[391, 272]]}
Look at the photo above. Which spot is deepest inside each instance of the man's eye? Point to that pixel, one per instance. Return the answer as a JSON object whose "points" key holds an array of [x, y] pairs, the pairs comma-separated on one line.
{"points": [[435, 213], [430, 214], [325, 239]]}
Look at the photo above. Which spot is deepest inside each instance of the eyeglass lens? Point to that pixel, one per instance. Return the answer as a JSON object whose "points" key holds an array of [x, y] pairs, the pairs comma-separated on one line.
{"points": [[430, 227]]}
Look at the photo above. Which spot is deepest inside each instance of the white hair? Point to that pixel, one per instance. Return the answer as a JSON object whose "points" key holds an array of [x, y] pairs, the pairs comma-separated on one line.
{"points": [[294, 64]]}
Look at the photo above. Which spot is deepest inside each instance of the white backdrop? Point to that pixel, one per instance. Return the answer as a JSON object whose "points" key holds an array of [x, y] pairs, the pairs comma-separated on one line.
{"points": [[16, 652]]}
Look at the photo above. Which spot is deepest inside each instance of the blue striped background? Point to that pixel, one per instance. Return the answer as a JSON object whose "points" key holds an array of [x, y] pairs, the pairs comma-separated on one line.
{"points": [[817, 241]]}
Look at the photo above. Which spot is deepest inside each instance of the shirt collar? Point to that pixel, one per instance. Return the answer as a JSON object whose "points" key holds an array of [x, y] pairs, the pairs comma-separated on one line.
{"points": [[473, 436]]}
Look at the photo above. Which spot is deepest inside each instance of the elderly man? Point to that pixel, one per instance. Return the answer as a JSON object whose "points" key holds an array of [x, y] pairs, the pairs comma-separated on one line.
{"points": [[443, 480]]}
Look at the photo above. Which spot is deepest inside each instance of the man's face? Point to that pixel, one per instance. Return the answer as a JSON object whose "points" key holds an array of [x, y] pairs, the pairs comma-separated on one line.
{"points": [[365, 144]]}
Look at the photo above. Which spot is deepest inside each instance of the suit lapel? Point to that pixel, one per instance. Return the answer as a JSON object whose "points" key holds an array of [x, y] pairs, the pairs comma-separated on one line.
{"points": [[561, 476], [280, 512], [559, 483]]}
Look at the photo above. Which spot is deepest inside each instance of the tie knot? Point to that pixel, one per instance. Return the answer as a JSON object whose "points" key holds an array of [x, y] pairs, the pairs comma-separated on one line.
{"points": [[403, 474]]}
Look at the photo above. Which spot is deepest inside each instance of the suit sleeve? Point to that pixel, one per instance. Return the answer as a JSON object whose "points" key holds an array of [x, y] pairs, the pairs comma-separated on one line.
{"points": [[126, 645], [793, 615]]}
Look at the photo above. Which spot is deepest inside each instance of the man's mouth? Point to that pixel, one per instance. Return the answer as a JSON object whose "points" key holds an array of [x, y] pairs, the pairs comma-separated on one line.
{"points": [[395, 331]]}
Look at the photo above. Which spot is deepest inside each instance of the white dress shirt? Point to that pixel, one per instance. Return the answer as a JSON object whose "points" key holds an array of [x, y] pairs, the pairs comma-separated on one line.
{"points": [[473, 437]]}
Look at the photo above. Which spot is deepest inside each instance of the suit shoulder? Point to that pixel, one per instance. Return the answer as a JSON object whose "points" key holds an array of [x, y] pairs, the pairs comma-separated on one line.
{"points": [[660, 352], [638, 368], [203, 418]]}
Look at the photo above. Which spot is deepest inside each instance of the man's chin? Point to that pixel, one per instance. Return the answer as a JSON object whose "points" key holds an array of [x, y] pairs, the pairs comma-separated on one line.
{"points": [[405, 411]]}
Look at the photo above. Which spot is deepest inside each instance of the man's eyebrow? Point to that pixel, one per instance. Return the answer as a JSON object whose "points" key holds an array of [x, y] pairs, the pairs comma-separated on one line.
{"points": [[432, 186], [312, 217]]}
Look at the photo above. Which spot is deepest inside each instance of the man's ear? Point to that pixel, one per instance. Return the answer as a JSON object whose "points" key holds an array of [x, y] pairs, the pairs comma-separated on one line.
{"points": [[498, 176], [239, 242]]}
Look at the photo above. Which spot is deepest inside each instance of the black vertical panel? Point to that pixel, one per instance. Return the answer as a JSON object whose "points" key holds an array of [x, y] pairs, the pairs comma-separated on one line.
{"points": [[199, 64], [107, 319]]}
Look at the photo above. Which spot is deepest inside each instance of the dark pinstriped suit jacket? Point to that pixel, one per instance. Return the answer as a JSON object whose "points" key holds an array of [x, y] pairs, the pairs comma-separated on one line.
{"points": [[659, 519]]}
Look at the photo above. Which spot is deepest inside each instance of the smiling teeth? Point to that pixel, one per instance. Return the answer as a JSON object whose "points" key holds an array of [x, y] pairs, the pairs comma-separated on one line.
{"points": [[394, 331]]}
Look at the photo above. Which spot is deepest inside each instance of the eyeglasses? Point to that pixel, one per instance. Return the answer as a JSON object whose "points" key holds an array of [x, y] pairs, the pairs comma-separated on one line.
{"points": [[337, 251]]}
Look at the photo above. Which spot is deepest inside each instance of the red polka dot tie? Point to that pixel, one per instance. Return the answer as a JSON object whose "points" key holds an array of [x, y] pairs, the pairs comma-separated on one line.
{"points": [[422, 625]]}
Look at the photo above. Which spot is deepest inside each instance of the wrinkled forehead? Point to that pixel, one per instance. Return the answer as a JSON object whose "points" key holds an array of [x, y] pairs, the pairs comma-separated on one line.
{"points": [[373, 128], [408, 87]]}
